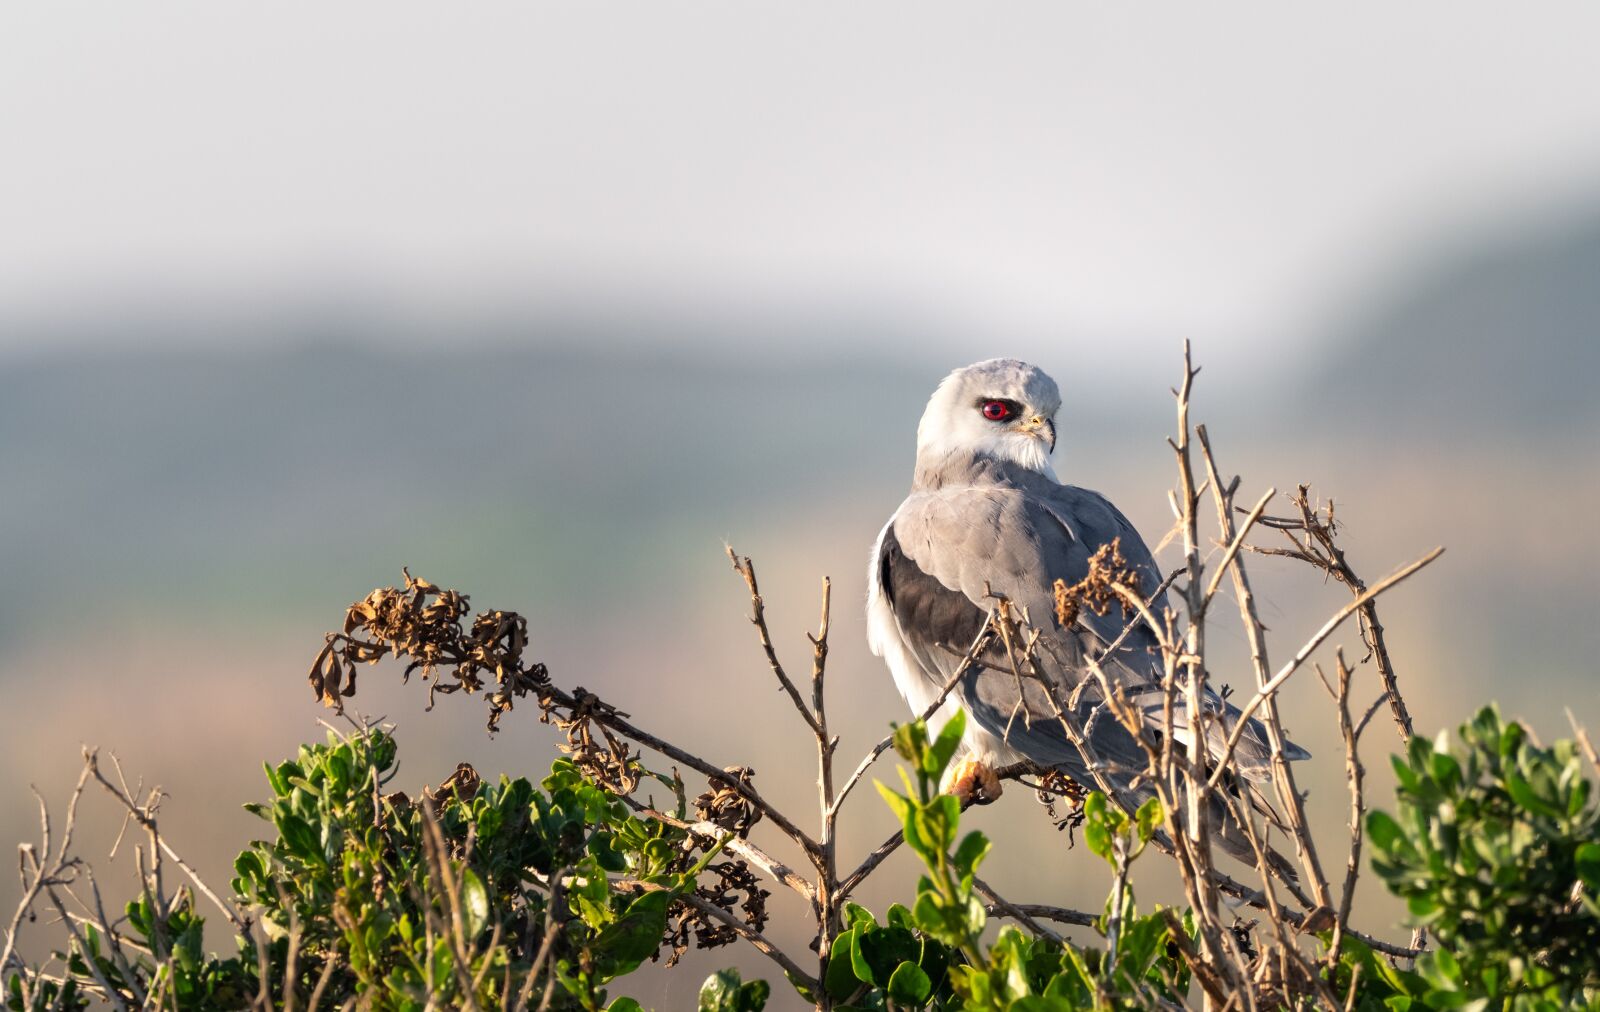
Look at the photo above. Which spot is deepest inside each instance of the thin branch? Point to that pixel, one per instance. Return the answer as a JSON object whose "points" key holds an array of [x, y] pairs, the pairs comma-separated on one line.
{"points": [[1254, 898], [740, 786], [743, 930], [1583, 740], [827, 859], [329, 964], [112, 994], [758, 618], [1283, 777], [1294, 663], [1040, 911], [45, 875], [546, 948], [1354, 773], [1025, 915], [878, 855], [1239, 536], [91, 758], [114, 941], [979, 644], [1371, 628], [775, 869]]}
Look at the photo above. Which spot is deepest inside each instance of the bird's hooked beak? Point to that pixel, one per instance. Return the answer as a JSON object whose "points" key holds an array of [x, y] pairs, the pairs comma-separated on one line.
{"points": [[1041, 428]]}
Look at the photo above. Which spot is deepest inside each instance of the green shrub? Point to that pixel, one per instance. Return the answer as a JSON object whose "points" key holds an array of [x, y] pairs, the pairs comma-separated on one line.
{"points": [[1495, 847], [476, 894]]}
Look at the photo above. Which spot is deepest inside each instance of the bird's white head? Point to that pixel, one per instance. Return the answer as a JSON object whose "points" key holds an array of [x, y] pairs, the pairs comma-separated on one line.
{"points": [[1000, 408]]}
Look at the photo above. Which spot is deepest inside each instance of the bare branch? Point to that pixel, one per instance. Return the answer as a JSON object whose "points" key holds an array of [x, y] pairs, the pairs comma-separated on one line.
{"points": [[774, 869], [979, 644], [1354, 772], [743, 930], [758, 618], [91, 758], [1294, 663], [616, 721], [1244, 529], [1025, 915]]}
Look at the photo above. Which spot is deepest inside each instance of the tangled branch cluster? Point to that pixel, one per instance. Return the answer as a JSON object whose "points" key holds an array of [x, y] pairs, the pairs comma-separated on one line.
{"points": [[724, 807], [734, 889], [424, 623], [607, 760], [1097, 590]]}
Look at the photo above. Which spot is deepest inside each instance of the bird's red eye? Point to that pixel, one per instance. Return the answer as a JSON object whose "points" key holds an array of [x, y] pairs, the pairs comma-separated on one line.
{"points": [[996, 411]]}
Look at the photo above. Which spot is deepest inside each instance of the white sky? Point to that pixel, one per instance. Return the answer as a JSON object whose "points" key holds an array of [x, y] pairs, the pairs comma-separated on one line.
{"points": [[1224, 171]]}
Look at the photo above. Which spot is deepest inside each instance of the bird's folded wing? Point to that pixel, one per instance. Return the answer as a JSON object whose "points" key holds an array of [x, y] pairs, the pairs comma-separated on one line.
{"points": [[950, 553]]}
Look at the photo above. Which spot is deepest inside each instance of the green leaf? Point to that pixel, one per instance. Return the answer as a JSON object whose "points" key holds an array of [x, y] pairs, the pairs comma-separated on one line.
{"points": [[636, 934], [900, 805], [944, 747], [250, 864], [1523, 794], [1424, 909], [1098, 836], [876, 952], [855, 913], [936, 824], [1384, 832], [302, 841], [909, 985], [841, 981], [935, 960], [602, 846], [910, 740], [974, 847], [1148, 817], [859, 964], [277, 779], [1037, 1003], [724, 992], [1587, 859], [1511, 736], [627, 1005], [443, 961], [753, 995], [474, 903], [1405, 776], [976, 917], [1443, 767]]}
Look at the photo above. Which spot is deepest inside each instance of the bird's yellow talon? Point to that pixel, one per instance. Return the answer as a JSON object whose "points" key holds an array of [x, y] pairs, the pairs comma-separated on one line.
{"points": [[973, 782]]}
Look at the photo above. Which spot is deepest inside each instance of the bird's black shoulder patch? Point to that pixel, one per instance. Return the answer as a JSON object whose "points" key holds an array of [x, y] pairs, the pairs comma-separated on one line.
{"points": [[922, 605]]}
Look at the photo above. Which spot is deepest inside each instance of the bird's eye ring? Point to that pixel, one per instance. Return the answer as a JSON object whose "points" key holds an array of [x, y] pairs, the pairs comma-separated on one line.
{"points": [[996, 411]]}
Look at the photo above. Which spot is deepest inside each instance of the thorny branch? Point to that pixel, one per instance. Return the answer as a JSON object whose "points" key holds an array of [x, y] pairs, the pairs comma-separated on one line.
{"points": [[1313, 537]]}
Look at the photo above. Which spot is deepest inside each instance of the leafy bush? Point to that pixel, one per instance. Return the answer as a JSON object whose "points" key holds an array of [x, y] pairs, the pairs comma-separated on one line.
{"points": [[458, 899], [932, 955], [480, 894], [451, 895], [1495, 847]]}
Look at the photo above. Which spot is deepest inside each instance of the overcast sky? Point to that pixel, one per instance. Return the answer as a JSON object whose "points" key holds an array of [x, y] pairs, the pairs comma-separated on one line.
{"points": [[1228, 172]]}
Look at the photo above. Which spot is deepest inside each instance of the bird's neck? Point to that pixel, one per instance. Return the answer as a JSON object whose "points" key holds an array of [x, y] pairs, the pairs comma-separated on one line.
{"points": [[940, 468]]}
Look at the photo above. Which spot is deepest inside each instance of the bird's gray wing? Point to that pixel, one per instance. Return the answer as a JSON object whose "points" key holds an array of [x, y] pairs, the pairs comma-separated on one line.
{"points": [[1252, 755], [948, 553]]}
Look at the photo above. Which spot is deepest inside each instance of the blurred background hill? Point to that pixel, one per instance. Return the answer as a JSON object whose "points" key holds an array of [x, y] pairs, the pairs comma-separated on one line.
{"points": [[548, 308], [1499, 338]]}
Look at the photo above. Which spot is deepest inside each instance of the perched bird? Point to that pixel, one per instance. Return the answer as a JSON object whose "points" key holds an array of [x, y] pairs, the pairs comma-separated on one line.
{"points": [[987, 519]]}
